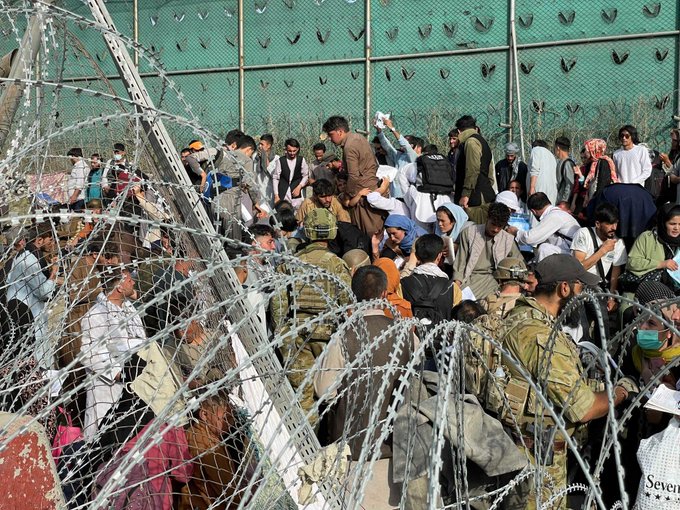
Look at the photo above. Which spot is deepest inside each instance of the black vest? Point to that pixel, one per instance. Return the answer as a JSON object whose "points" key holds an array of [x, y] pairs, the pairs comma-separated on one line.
{"points": [[285, 181], [483, 187]]}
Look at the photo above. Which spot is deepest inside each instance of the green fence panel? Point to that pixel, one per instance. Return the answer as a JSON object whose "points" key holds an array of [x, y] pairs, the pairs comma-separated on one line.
{"points": [[190, 35], [296, 102], [584, 66], [426, 96], [585, 19], [400, 27], [285, 31], [591, 90]]}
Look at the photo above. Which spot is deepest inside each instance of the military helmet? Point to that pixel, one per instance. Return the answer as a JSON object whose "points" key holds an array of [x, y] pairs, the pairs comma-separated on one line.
{"points": [[511, 269], [320, 225]]}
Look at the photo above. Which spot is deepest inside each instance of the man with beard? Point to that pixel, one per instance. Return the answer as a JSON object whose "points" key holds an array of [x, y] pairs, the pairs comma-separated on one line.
{"points": [[510, 168], [481, 249], [598, 249], [291, 175], [323, 197], [551, 360]]}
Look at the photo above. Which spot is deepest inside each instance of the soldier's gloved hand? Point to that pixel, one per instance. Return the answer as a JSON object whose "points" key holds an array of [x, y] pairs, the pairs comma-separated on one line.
{"points": [[631, 387]]}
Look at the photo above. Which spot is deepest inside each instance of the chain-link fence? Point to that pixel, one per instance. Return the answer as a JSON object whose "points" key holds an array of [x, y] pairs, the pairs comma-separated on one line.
{"points": [[523, 69]]}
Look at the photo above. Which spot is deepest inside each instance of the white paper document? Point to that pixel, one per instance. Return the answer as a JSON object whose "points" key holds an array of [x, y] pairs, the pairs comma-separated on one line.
{"points": [[665, 400], [468, 294]]}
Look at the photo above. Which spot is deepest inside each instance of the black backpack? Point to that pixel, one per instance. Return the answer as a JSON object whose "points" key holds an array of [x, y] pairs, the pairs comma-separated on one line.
{"points": [[424, 306], [436, 174]]}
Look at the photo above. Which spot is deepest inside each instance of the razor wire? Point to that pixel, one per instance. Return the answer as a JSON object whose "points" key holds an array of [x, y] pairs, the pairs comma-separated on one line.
{"points": [[263, 478], [309, 274]]}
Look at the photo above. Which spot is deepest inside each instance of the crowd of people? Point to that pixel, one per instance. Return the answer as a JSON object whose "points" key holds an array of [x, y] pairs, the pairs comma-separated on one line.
{"points": [[441, 236]]}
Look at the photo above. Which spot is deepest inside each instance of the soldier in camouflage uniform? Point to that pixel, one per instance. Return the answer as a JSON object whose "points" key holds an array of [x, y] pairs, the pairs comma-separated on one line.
{"points": [[552, 360], [305, 299], [480, 354]]}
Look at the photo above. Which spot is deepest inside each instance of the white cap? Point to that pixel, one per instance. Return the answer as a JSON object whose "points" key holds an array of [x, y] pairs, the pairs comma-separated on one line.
{"points": [[508, 198]]}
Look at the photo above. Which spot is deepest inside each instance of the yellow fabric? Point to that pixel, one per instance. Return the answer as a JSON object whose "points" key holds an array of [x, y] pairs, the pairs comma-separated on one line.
{"points": [[158, 384], [667, 355], [311, 203], [457, 294]]}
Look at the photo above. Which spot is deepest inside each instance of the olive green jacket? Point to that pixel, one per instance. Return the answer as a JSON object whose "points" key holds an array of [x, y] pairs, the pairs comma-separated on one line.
{"points": [[645, 254]]}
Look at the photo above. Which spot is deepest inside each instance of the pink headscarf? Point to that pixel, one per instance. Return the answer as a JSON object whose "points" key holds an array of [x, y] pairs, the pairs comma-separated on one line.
{"points": [[597, 148]]}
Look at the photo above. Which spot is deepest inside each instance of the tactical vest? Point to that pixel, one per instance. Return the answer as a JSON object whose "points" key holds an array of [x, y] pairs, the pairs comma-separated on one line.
{"points": [[308, 299], [436, 174], [510, 396], [487, 378], [506, 396]]}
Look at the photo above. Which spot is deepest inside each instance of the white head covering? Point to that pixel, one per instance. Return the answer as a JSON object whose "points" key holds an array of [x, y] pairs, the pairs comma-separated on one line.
{"points": [[510, 199]]}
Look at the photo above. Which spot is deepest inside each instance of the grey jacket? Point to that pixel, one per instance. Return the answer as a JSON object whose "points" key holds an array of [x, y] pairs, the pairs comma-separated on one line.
{"points": [[485, 443]]}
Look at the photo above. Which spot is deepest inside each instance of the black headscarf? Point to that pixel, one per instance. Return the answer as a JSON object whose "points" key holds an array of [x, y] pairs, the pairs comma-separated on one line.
{"points": [[667, 212]]}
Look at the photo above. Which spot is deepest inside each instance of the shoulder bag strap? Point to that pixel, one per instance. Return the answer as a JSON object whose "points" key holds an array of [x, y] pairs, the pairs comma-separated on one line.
{"points": [[600, 266]]}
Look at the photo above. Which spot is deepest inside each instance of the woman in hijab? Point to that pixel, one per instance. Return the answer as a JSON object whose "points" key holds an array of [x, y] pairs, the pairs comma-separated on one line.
{"points": [[599, 170], [654, 346], [394, 295], [655, 249], [451, 220], [401, 234]]}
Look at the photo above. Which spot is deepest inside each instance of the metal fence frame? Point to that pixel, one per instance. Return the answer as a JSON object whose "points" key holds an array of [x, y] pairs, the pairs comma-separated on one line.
{"points": [[514, 122]]}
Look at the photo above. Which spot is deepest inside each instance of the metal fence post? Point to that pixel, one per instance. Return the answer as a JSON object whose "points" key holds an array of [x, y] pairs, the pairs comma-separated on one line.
{"points": [[511, 91], [241, 71], [21, 68], [135, 29], [513, 33], [367, 68]]}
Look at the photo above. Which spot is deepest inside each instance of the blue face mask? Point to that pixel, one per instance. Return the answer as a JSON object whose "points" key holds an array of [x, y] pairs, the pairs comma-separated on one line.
{"points": [[648, 340]]}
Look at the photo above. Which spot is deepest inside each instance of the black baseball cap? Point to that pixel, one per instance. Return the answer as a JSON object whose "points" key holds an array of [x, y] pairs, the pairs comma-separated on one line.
{"points": [[563, 268]]}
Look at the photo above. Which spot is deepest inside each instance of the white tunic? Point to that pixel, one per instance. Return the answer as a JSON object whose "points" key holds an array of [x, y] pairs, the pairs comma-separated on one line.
{"points": [[419, 204], [77, 179], [543, 165], [634, 165], [108, 333], [552, 234]]}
